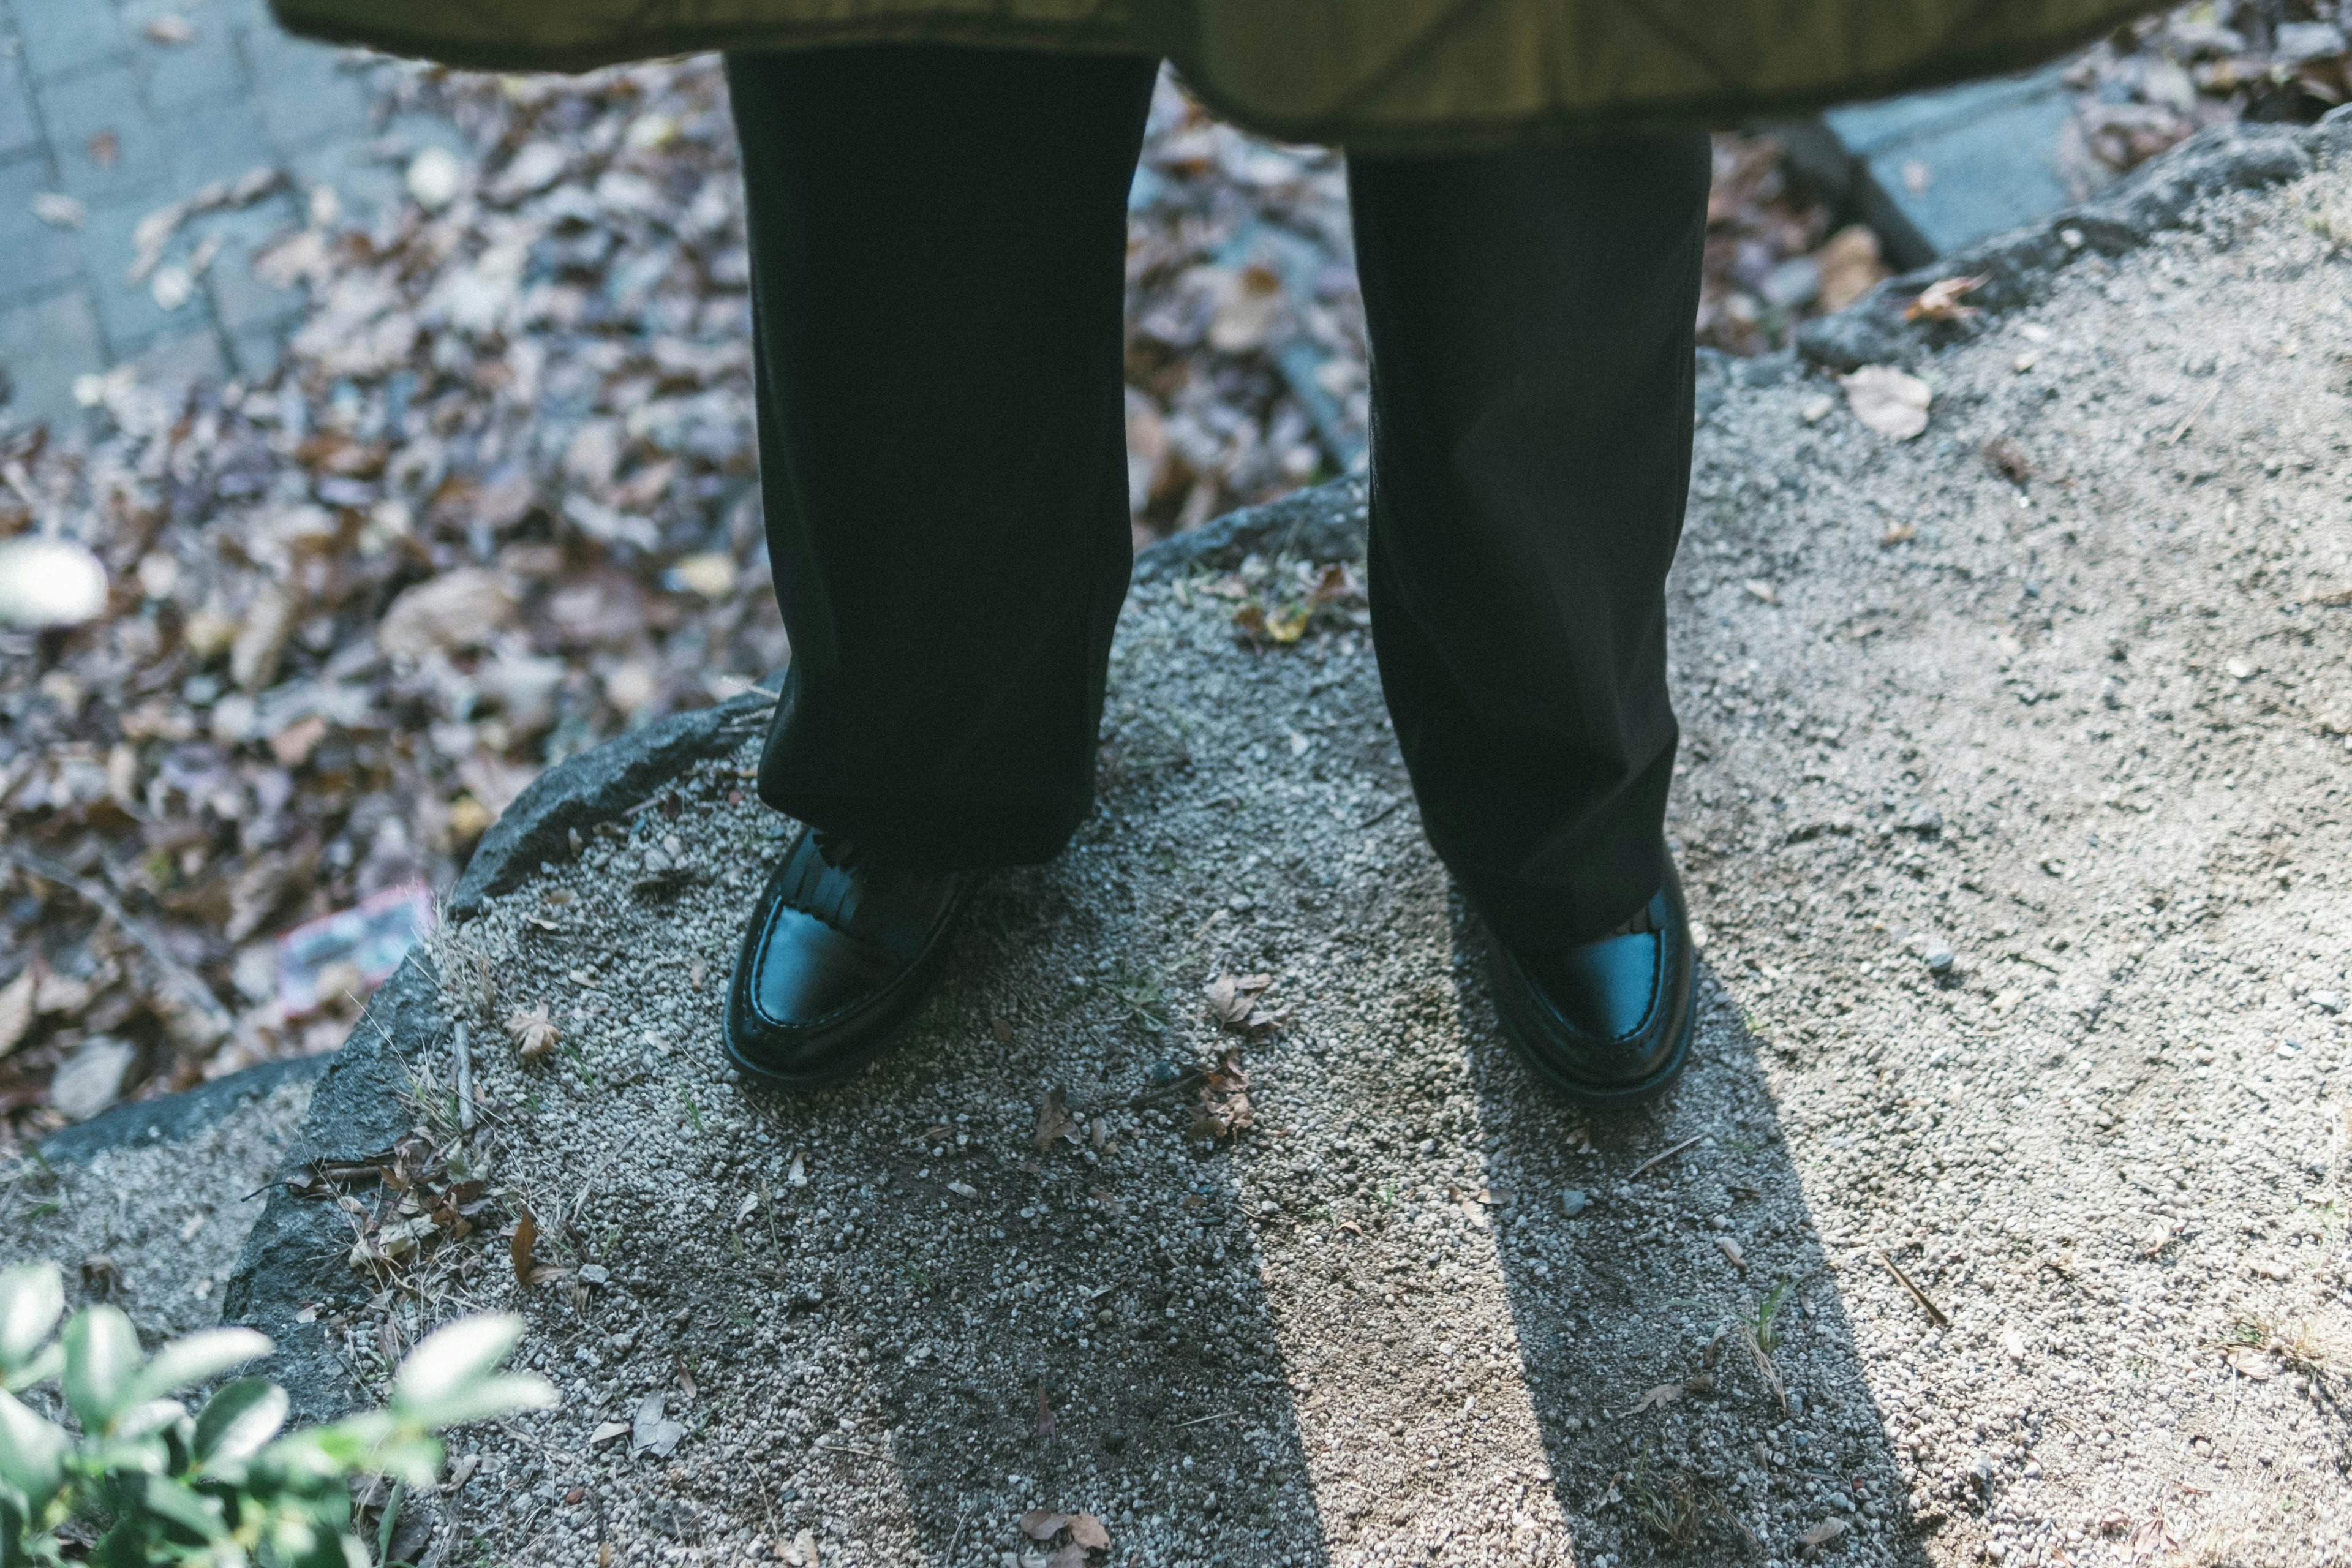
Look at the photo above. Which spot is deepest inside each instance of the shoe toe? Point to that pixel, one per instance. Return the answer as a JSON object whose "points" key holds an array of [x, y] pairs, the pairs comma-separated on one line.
{"points": [[805, 972], [1604, 990]]}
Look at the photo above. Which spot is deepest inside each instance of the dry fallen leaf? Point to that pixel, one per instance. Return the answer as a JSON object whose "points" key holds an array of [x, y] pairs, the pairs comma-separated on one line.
{"points": [[1891, 402], [2250, 1362], [1086, 1530], [533, 1033], [519, 1247], [1248, 302], [610, 1431], [1940, 300], [1071, 1556], [1039, 1523], [1730, 1249], [16, 1007], [1850, 266], [1054, 1124], [1658, 1398], [1821, 1534], [1233, 1005]]}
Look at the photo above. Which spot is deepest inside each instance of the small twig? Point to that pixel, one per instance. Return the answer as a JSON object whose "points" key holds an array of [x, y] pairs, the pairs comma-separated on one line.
{"points": [[2183, 428], [1935, 1313], [197, 992], [1661, 1159], [1198, 1420], [948, 1555], [1381, 813], [465, 1081], [861, 1453]]}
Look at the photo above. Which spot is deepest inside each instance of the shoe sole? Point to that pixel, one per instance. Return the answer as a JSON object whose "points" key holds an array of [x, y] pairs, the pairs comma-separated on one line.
{"points": [[1606, 1097]]}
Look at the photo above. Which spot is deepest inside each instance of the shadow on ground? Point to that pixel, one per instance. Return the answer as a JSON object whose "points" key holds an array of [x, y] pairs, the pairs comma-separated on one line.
{"points": [[1635, 1315]]}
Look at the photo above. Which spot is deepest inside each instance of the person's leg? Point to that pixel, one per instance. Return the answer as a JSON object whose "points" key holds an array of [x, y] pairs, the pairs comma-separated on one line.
{"points": [[937, 254], [1531, 323], [938, 242]]}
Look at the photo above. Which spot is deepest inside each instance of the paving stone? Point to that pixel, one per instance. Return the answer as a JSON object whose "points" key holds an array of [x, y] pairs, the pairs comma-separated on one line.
{"points": [[128, 315], [209, 68], [177, 360], [44, 344], [218, 141], [19, 132], [1937, 171], [78, 109], [41, 258], [241, 298], [307, 97], [63, 37], [256, 351]]}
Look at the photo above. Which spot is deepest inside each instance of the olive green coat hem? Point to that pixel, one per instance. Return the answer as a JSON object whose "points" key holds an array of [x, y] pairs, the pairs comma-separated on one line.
{"points": [[1372, 75]]}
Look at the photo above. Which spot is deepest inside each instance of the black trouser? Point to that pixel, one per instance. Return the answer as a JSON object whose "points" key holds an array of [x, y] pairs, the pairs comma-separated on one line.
{"points": [[937, 242]]}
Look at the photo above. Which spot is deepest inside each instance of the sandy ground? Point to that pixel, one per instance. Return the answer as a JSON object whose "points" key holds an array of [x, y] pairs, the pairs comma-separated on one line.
{"points": [[2013, 811]]}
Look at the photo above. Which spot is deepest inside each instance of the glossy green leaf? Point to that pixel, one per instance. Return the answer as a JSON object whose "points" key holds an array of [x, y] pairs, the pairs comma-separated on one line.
{"points": [[32, 1295], [32, 1451], [101, 1358], [238, 1421], [196, 1359], [46, 1362], [450, 1361]]}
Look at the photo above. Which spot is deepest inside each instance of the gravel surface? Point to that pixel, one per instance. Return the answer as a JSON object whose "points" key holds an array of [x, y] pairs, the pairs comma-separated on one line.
{"points": [[2012, 806], [153, 1223]]}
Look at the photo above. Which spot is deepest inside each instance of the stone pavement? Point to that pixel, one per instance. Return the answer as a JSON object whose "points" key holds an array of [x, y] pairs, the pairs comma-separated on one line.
{"points": [[111, 110]]}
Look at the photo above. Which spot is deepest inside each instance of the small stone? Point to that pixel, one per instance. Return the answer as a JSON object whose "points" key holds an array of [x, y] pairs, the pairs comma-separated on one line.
{"points": [[2328, 1001], [1574, 1200], [1940, 959]]}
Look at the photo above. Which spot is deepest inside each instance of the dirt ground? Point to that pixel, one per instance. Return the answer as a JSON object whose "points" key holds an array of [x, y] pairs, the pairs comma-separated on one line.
{"points": [[2012, 806]]}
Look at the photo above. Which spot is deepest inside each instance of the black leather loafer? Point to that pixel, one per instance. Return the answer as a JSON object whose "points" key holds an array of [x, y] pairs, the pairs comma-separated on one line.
{"points": [[1608, 1024], [838, 956]]}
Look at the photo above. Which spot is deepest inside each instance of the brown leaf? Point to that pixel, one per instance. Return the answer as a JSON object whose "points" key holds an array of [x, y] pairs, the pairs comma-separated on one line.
{"points": [[1940, 300], [1055, 1122], [1087, 1530], [526, 1237], [1045, 1422], [1731, 1250], [533, 1033], [1070, 1556], [1040, 1523], [1002, 1028], [1888, 400]]}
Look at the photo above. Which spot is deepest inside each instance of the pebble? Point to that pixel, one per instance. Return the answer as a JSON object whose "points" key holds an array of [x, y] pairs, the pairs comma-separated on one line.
{"points": [[1574, 1200], [1940, 959], [2328, 1001]]}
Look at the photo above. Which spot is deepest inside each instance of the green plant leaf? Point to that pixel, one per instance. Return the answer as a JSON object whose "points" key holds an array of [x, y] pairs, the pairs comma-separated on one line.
{"points": [[450, 1361], [101, 1358], [195, 1359], [390, 1522], [238, 1421], [32, 1452], [481, 1400], [32, 1295], [46, 1362], [415, 1460], [166, 1499]]}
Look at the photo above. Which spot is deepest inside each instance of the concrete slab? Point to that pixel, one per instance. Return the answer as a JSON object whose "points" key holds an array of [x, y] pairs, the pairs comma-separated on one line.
{"points": [[41, 257], [44, 344], [1933, 172]]}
